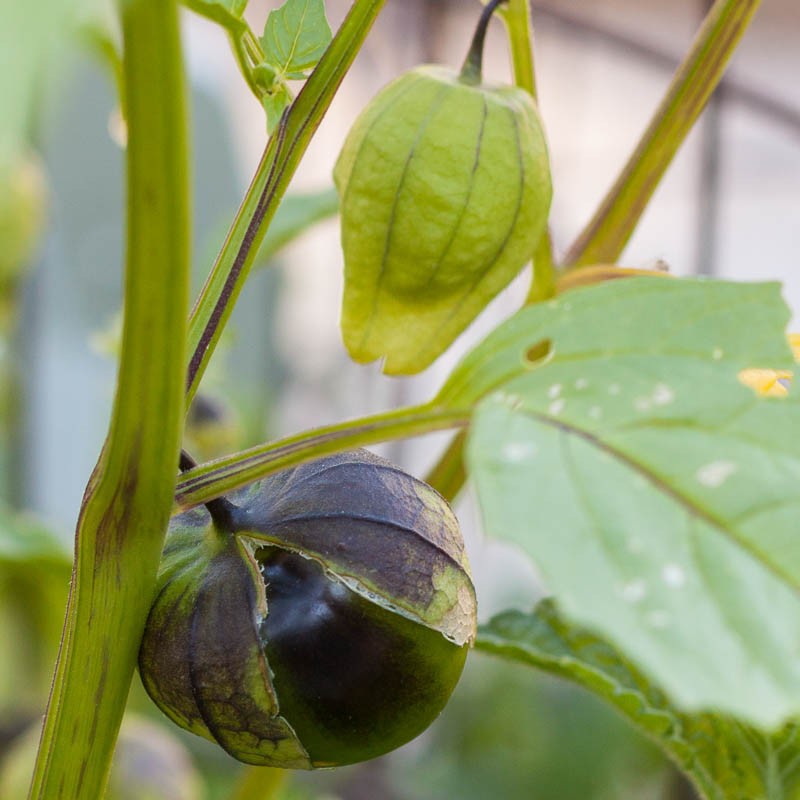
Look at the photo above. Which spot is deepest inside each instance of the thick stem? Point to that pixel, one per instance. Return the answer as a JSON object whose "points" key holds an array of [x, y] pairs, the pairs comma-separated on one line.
{"points": [[127, 503], [472, 71]]}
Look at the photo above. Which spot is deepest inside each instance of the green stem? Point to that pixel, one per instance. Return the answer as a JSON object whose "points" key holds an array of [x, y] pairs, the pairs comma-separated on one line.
{"points": [[237, 41], [472, 71], [520, 39], [223, 475], [252, 45], [259, 783], [448, 474], [543, 285], [240, 35], [284, 151], [127, 502], [604, 238]]}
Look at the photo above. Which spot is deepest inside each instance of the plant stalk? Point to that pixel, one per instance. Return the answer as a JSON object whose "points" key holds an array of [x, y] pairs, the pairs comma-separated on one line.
{"points": [[604, 238], [126, 507], [215, 478]]}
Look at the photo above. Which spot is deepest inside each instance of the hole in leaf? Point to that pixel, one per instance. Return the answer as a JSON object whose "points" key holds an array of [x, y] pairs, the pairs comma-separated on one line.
{"points": [[538, 353]]}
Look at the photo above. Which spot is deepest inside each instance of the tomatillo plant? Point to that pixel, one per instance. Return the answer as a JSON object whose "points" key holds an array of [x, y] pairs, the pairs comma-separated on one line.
{"points": [[313, 606]]}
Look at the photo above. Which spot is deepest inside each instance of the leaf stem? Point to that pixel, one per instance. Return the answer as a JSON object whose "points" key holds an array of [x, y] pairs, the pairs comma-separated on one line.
{"points": [[543, 285], [281, 157], [472, 70], [517, 17], [252, 45], [240, 35], [218, 477], [126, 507], [237, 41], [604, 238]]}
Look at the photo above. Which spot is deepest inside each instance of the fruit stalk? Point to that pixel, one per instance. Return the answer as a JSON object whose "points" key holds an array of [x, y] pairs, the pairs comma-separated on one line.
{"points": [[472, 71]]}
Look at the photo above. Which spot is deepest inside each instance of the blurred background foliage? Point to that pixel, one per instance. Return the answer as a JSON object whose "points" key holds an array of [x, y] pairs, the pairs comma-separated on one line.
{"points": [[508, 732]]}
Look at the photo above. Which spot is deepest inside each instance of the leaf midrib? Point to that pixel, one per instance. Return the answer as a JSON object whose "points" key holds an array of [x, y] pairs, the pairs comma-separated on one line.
{"points": [[692, 508]]}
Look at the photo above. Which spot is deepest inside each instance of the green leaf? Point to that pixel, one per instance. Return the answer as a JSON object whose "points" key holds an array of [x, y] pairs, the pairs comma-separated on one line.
{"points": [[635, 316], [726, 759], [226, 12], [295, 37], [275, 102], [657, 495]]}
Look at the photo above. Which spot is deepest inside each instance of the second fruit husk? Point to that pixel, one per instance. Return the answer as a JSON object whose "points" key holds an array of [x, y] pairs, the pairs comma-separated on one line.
{"points": [[445, 190]]}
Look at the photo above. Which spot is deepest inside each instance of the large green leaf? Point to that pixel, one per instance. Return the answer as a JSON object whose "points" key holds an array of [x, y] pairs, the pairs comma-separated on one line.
{"points": [[726, 759], [657, 495], [295, 36]]}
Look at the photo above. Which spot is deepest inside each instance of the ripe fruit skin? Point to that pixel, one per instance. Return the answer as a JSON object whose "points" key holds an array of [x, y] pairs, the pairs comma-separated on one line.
{"points": [[326, 621], [445, 189]]}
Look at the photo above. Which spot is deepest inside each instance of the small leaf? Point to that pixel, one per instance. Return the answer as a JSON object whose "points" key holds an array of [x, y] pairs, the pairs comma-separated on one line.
{"points": [[726, 759], [295, 37], [657, 494], [275, 103]]}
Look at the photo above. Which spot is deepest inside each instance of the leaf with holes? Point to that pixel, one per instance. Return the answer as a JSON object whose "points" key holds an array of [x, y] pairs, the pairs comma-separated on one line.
{"points": [[658, 496], [295, 37], [726, 759]]}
